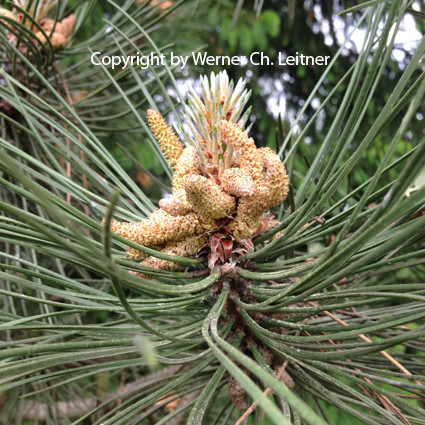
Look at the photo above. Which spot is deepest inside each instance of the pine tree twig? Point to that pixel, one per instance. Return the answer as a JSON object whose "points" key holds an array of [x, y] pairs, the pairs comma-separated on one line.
{"points": [[366, 339], [384, 400], [32, 410], [169, 403], [266, 392]]}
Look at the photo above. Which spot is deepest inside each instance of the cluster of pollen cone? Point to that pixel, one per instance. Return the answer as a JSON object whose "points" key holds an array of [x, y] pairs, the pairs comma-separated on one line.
{"points": [[46, 29], [222, 183]]}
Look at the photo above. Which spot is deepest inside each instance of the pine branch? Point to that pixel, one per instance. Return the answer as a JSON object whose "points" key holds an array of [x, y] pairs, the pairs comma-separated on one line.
{"points": [[32, 410]]}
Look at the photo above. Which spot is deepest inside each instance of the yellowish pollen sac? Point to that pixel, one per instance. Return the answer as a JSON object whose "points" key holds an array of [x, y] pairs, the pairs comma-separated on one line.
{"points": [[61, 31], [237, 182], [275, 176], [188, 164], [244, 147], [271, 223], [57, 40], [207, 198], [184, 248], [158, 264], [268, 224], [66, 25], [48, 25], [270, 191], [7, 14], [176, 204], [168, 141], [248, 216], [135, 254], [159, 228]]}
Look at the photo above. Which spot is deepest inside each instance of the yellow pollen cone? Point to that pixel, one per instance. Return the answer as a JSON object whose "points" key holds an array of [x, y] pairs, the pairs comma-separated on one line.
{"points": [[167, 139], [237, 182], [207, 198]]}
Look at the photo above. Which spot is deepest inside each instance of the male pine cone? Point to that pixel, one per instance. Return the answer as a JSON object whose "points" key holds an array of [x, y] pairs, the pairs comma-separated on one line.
{"points": [[232, 197]]}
